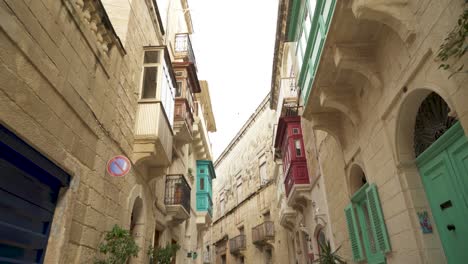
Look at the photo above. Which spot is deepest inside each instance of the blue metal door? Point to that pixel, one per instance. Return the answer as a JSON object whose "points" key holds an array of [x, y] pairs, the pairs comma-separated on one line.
{"points": [[29, 187]]}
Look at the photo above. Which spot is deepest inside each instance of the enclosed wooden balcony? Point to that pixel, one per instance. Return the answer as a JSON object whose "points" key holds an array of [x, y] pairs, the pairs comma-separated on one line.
{"points": [[183, 48], [237, 244], [289, 142], [204, 210], [177, 198], [183, 120], [263, 233], [155, 111]]}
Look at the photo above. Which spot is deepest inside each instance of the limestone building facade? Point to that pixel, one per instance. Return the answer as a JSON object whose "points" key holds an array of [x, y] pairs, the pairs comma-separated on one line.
{"points": [[246, 226], [386, 125], [84, 81]]}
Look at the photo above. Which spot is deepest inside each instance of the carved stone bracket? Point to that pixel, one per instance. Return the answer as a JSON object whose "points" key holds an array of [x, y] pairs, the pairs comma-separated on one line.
{"points": [[358, 58], [396, 14], [92, 14], [341, 100]]}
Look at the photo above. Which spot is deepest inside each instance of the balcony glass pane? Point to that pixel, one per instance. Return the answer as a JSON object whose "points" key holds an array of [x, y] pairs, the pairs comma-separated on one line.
{"points": [[178, 90], [297, 146], [149, 82], [326, 10], [202, 184], [315, 52], [151, 56], [167, 95], [311, 6]]}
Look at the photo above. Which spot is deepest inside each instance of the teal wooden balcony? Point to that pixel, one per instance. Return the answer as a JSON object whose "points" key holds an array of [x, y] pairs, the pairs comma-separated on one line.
{"points": [[205, 176]]}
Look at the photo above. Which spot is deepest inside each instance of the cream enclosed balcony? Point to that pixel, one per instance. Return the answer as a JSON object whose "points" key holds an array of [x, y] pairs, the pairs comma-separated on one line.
{"points": [[155, 111], [183, 48], [237, 244], [201, 139], [177, 198], [264, 233]]}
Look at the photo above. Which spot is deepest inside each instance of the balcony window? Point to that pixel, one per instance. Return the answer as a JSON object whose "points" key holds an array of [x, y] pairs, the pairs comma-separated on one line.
{"points": [[157, 81], [297, 146], [149, 82], [178, 92], [202, 184]]}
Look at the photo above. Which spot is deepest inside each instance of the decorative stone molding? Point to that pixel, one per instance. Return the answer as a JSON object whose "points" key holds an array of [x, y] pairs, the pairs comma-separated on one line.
{"points": [[91, 14], [396, 14]]}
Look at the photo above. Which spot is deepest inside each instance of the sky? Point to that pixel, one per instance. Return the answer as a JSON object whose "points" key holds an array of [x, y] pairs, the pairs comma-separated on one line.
{"points": [[233, 41]]}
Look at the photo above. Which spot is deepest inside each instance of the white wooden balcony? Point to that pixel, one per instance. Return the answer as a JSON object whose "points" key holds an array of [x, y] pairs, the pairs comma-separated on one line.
{"points": [[155, 113]]}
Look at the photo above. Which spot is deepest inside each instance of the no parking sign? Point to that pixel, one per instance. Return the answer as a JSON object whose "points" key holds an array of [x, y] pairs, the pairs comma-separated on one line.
{"points": [[118, 166]]}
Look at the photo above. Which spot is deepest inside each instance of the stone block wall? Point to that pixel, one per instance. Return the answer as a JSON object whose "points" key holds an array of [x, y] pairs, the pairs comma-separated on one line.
{"points": [[75, 103], [381, 143]]}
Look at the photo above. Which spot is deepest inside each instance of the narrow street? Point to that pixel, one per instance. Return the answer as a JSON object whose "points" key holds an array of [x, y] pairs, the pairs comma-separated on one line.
{"points": [[233, 132]]}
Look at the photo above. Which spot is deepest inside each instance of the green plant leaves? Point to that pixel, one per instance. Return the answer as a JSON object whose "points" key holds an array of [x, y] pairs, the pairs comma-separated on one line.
{"points": [[118, 246], [454, 45], [163, 255]]}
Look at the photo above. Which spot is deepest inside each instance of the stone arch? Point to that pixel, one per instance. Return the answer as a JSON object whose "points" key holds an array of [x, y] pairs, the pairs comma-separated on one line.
{"points": [[406, 120], [356, 178], [407, 169], [317, 236], [136, 219], [285, 65]]}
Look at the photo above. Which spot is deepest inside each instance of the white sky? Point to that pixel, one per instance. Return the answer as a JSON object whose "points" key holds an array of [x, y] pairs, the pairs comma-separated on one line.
{"points": [[233, 42]]}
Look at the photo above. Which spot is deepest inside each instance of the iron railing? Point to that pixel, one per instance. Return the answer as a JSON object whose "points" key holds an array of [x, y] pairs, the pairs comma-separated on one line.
{"points": [[183, 48], [237, 244], [177, 191], [263, 232]]}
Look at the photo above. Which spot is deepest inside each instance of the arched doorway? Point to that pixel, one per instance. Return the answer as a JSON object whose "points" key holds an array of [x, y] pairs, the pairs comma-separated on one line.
{"points": [[441, 151], [137, 223]]}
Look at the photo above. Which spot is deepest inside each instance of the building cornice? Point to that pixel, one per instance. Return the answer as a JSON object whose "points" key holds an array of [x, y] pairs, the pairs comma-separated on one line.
{"points": [[243, 130]]}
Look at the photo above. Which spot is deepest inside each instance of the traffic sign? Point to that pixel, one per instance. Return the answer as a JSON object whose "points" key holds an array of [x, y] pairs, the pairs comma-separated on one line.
{"points": [[118, 166]]}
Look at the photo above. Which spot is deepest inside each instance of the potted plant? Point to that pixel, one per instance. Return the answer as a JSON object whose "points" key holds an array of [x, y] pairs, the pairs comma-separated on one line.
{"points": [[163, 255], [118, 246], [327, 256]]}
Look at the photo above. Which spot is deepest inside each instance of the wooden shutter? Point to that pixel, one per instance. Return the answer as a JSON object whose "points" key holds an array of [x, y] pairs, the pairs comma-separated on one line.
{"points": [[353, 231], [377, 220]]}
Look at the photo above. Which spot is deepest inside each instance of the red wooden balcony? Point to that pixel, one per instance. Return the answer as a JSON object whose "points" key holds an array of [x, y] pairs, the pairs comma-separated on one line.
{"points": [[289, 143], [296, 174], [264, 232], [183, 120], [237, 244]]}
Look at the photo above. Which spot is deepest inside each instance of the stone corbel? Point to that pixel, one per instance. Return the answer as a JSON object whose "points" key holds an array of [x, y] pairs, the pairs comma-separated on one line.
{"points": [[345, 102], [358, 58], [396, 14]]}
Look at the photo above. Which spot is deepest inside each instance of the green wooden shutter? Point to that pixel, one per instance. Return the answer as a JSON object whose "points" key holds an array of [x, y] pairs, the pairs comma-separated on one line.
{"points": [[356, 246], [377, 220]]}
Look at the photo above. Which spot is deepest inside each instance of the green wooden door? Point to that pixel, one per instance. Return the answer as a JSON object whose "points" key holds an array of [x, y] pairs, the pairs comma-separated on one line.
{"points": [[444, 171]]}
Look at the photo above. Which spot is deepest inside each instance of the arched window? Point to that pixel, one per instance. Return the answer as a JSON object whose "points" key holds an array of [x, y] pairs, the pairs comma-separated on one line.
{"points": [[365, 221], [321, 238], [432, 121]]}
